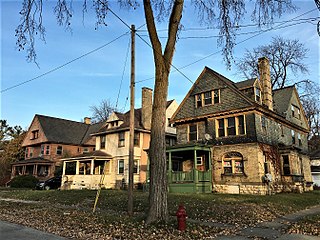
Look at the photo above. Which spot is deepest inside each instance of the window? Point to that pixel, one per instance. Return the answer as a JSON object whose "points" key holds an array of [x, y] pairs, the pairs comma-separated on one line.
{"points": [[193, 133], [103, 142], [120, 166], [136, 166], [26, 153], [263, 123], [258, 95], [42, 150], [233, 163], [230, 126], [231, 130], [34, 134], [293, 137], [136, 139], [295, 111], [285, 165], [221, 127], [121, 141], [199, 161], [31, 152], [199, 100], [207, 98], [240, 124], [59, 150], [85, 150], [47, 150], [299, 139], [216, 96]]}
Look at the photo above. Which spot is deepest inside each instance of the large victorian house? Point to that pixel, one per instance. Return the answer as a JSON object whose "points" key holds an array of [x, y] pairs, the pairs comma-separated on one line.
{"points": [[48, 140], [239, 137], [108, 165]]}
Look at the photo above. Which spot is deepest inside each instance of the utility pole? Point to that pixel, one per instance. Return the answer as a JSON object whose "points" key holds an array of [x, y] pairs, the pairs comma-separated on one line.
{"points": [[131, 139]]}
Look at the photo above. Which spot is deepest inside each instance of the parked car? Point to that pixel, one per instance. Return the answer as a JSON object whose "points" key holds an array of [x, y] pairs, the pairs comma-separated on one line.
{"points": [[52, 183]]}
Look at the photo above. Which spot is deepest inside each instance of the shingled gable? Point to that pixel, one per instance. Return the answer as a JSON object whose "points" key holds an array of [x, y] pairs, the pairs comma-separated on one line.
{"points": [[57, 130], [231, 97], [282, 100]]}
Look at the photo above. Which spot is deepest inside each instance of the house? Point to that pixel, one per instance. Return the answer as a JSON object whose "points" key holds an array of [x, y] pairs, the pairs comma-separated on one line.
{"points": [[108, 165], [49, 139], [239, 137], [315, 167]]}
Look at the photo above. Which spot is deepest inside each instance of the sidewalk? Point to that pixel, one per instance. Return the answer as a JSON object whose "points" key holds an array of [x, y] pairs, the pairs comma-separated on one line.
{"points": [[272, 230], [11, 231]]}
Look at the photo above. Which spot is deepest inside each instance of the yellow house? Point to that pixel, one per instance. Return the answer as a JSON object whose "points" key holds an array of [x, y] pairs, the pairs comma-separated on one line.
{"points": [[108, 164]]}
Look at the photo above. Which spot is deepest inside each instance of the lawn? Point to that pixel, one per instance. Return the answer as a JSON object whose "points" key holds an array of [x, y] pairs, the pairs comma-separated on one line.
{"points": [[69, 213]]}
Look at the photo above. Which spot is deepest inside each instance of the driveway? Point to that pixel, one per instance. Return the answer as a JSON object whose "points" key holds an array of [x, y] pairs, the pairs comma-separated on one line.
{"points": [[11, 231]]}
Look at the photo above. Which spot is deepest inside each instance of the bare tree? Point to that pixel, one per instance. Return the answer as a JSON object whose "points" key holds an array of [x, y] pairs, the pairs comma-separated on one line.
{"points": [[286, 58], [102, 111], [224, 14]]}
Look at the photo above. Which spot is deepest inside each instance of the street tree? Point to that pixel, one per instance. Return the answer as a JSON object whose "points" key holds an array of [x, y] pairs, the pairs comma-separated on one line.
{"points": [[223, 14], [10, 148], [101, 112]]}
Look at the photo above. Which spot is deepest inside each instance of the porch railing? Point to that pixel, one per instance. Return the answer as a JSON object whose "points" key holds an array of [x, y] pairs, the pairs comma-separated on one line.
{"points": [[190, 176]]}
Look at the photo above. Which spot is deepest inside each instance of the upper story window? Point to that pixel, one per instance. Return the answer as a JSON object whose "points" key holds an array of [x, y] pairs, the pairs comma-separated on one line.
{"points": [[42, 149], [230, 126], [47, 150], [293, 137], [85, 150], [136, 139], [295, 111], [207, 98], [103, 142], [59, 150], [121, 139], [193, 132], [263, 123], [257, 94], [136, 167], [299, 139], [34, 134]]}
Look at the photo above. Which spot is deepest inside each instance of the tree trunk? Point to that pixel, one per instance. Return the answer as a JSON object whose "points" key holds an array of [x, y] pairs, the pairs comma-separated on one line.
{"points": [[158, 206]]}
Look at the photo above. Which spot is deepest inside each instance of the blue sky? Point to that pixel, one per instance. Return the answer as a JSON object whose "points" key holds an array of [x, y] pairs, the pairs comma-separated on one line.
{"points": [[69, 91]]}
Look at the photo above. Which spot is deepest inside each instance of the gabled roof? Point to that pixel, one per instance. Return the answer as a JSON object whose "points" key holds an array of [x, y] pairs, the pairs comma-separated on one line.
{"points": [[281, 99], [246, 83], [125, 117], [66, 131]]}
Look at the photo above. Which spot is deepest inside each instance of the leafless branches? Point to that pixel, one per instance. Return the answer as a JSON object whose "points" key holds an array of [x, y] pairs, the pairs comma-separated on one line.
{"points": [[102, 111]]}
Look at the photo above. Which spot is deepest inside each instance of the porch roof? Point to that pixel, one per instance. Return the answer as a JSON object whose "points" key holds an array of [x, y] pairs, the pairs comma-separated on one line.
{"points": [[186, 147], [32, 161], [90, 155]]}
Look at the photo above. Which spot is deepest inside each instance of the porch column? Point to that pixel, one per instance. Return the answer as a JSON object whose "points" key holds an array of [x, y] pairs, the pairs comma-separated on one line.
{"points": [[92, 166], [64, 165], [35, 169], [13, 171], [24, 169], [195, 171], [170, 169], [77, 167]]}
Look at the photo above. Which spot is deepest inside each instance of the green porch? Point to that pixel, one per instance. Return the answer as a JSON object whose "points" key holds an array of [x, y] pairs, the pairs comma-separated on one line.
{"points": [[189, 169]]}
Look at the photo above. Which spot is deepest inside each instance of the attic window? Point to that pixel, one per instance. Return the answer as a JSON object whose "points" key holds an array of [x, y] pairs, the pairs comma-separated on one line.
{"points": [[207, 98], [257, 95], [34, 134], [114, 124], [295, 111]]}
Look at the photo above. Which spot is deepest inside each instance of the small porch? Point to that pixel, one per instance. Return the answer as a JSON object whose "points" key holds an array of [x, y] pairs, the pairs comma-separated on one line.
{"points": [[86, 171], [41, 168], [189, 169]]}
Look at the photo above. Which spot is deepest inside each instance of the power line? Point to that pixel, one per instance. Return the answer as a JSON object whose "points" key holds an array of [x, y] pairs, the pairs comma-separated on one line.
{"points": [[63, 65]]}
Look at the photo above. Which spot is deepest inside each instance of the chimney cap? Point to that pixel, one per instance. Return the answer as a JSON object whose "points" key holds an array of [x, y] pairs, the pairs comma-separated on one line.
{"points": [[263, 59], [87, 120], [147, 88]]}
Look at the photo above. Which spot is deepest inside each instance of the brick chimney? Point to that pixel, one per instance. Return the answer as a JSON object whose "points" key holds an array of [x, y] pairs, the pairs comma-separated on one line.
{"points": [[146, 107], [265, 79], [87, 120]]}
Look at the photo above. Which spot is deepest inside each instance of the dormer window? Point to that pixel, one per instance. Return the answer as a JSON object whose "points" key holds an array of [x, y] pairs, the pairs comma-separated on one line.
{"points": [[114, 124], [34, 134], [295, 111]]}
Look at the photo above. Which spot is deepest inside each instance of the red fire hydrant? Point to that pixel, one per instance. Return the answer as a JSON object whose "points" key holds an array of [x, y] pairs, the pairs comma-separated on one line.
{"points": [[181, 217]]}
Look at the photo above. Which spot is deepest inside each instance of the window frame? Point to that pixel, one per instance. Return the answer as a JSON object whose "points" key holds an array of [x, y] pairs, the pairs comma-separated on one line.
{"points": [[293, 136], [286, 169], [58, 151], [121, 139], [136, 139], [34, 134], [216, 97], [122, 161], [47, 151], [103, 140], [136, 166], [207, 100], [191, 133], [257, 94], [232, 167], [236, 127]]}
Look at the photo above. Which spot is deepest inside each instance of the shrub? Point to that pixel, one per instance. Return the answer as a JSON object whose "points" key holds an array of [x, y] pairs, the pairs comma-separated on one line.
{"points": [[27, 181]]}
